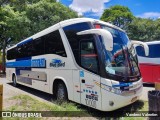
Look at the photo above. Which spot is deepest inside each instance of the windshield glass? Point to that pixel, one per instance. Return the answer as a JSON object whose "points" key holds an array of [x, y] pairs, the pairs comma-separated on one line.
{"points": [[121, 60]]}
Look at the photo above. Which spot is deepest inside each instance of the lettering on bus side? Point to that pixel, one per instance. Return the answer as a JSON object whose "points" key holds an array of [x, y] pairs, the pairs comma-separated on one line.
{"points": [[91, 100], [57, 63], [38, 63], [91, 103]]}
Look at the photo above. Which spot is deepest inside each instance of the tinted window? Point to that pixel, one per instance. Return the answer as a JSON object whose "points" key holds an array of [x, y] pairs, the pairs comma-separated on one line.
{"points": [[25, 50], [11, 54], [38, 47], [118, 36], [53, 44], [140, 51], [74, 39], [153, 51], [88, 56], [80, 46], [47, 44]]}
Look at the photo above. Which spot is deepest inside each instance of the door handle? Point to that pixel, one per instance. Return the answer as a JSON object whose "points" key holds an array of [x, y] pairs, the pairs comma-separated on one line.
{"points": [[83, 81]]}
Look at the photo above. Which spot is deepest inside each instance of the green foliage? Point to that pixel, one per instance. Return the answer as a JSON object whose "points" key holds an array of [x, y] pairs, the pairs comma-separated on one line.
{"points": [[24, 102], [144, 29], [44, 14], [118, 15], [136, 28], [20, 19], [13, 24]]}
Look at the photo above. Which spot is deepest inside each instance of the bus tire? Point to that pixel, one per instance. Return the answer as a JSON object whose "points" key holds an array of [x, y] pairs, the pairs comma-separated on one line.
{"points": [[14, 80], [61, 92]]}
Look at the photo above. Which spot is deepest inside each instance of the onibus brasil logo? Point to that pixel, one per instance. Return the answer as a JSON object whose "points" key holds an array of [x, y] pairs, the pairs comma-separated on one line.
{"points": [[57, 63]]}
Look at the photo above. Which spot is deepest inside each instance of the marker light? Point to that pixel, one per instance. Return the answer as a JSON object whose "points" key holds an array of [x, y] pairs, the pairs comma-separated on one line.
{"points": [[97, 26]]}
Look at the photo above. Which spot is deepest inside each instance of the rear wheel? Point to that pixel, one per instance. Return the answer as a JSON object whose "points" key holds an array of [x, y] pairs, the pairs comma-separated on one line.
{"points": [[61, 92], [14, 81]]}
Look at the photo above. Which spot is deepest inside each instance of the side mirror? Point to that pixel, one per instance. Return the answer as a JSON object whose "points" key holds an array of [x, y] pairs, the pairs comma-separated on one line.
{"points": [[106, 36], [144, 45]]}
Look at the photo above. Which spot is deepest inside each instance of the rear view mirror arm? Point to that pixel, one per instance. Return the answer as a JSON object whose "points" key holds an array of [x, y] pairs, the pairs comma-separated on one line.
{"points": [[144, 45]]}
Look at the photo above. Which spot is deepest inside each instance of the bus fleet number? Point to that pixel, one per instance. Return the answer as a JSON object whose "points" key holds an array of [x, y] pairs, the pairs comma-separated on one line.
{"points": [[91, 102]]}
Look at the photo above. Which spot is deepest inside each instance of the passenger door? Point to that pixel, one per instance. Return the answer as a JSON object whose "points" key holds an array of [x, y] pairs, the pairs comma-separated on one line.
{"points": [[89, 78]]}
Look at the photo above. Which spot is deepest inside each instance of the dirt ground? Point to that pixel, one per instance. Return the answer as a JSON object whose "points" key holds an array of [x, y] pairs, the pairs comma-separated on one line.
{"points": [[10, 91]]}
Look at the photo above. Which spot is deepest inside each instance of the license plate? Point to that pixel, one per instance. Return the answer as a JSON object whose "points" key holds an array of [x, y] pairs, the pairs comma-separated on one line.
{"points": [[134, 99]]}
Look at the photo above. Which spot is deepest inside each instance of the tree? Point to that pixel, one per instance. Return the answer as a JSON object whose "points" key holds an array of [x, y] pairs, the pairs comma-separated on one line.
{"points": [[20, 19], [118, 15], [157, 29], [44, 14], [136, 28], [10, 21], [144, 29], [25, 18]]}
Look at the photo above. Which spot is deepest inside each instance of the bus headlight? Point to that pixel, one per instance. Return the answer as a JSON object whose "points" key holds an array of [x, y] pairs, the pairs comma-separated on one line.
{"points": [[113, 90], [116, 91]]}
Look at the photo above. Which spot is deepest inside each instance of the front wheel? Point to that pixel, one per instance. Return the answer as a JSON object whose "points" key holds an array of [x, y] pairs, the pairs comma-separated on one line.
{"points": [[61, 92]]}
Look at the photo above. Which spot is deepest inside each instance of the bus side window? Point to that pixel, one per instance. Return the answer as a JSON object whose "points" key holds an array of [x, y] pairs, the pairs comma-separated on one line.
{"points": [[28, 49], [12, 54], [73, 38], [54, 44], [88, 56], [140, 51], [154, 51], [38, 46]]}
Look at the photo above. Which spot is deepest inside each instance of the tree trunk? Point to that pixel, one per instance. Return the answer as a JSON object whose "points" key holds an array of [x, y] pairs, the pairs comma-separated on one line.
{"points": [[3, 57]]}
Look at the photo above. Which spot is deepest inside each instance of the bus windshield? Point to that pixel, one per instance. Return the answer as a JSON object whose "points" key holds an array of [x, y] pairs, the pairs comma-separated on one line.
{"points": [[121, 61]]}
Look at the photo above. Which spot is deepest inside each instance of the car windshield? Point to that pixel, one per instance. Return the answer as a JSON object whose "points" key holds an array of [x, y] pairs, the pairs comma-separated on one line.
{"points": [[121, 60]]}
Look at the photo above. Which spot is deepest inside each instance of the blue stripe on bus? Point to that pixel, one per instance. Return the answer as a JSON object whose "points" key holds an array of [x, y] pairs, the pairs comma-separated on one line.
{"points": [[36, 63], [22, 63], [30, 39], [122, 85]]}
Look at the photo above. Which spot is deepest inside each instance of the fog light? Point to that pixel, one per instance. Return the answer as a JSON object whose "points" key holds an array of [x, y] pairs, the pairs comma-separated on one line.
{"points": [[111, 103]]}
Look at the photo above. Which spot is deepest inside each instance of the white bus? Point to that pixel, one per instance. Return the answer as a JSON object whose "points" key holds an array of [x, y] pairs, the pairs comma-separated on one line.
{"points": [[87, 61]]}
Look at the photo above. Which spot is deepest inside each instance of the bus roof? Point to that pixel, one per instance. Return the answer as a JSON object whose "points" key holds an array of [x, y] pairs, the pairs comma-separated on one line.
{"points": [[63, 24], [78, 20]]}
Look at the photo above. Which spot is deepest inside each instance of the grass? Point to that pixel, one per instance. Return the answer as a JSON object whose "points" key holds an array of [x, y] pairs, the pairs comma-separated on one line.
{"points": [[141, 106], [27, 103]]}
